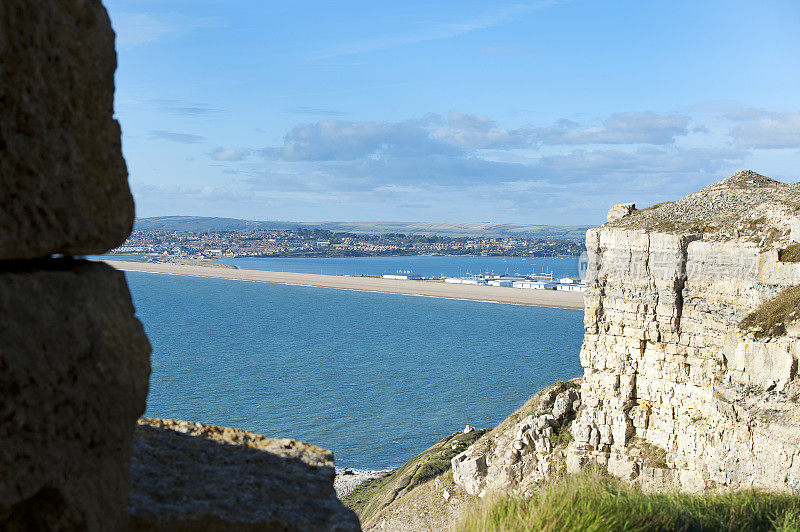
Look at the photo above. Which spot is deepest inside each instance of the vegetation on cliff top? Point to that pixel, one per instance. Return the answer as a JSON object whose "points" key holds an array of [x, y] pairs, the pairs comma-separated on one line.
{"points": [[772, 317], [790, 254], [373, 495], [596, 502]]}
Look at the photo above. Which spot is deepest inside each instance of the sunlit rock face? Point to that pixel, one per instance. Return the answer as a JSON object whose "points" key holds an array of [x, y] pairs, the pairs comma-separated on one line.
{"points": [[675, 392]]}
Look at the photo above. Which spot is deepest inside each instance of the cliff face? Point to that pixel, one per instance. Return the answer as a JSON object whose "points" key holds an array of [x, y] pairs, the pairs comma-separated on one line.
{"points": [[669, 371], [678, 392]]}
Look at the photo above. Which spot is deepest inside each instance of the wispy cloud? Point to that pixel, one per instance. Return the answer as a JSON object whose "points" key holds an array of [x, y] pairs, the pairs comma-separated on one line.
{"points": [[229, 154], [440, 31], [765, 130], [301, 110], [183, 138], [137, 29]]}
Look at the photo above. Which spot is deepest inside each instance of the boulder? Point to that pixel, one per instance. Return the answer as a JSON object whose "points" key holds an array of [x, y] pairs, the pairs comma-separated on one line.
{"points": [[620, 210], [192, 476], [74, 368], [64, 182]]}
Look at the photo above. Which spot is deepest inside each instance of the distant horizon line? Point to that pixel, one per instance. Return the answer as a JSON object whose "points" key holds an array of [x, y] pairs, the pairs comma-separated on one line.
{"points": [[407, 222]]}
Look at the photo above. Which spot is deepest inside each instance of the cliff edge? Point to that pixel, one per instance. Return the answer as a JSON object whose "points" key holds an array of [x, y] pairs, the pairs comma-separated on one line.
{"points": [[691, 347]]}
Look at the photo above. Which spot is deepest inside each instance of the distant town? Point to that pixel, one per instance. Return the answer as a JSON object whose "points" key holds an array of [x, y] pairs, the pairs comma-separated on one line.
{"points": [[323, 243]]}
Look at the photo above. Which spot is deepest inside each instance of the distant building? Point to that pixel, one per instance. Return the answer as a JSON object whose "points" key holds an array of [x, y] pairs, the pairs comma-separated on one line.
{"points": [[500, 282], [571, 287], [323, 243], [534, 285]]}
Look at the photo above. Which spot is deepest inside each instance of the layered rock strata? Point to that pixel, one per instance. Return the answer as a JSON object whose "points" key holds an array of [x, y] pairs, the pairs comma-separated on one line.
{"points": [[191, 476], [675, 393]]}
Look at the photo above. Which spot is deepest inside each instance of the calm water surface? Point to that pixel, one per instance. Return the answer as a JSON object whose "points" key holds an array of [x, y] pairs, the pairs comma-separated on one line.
{"points": [[375, 377]]}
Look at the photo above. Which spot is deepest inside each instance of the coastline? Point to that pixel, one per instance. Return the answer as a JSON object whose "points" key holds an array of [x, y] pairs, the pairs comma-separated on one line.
{"points": [[491, 294]]}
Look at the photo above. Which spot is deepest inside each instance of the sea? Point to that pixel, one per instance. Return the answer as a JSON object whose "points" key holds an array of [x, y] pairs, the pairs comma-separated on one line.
{"points": [[375, 377]]}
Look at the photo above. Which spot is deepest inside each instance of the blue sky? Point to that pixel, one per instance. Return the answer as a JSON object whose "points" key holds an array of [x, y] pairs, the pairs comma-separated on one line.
{"points": [[541, 112]]}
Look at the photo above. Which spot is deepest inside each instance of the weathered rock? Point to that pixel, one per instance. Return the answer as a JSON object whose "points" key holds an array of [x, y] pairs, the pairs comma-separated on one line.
{"points": [[63, 180], [675, 393], [620, 210], [523, 450], [74, 367], [191, 476]]}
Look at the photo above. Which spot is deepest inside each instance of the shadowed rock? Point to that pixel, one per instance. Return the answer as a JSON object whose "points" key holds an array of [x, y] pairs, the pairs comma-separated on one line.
{"points": [[191, 476], [74, 365], [63, 181]]}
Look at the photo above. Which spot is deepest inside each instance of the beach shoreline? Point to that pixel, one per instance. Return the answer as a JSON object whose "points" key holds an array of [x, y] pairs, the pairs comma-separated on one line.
{"points": [[492, 294]]}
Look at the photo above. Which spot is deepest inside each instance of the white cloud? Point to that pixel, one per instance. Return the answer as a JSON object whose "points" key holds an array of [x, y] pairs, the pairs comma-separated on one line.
{"points": [[183, 138], [619, 128], [768, 130], [229, 154]]}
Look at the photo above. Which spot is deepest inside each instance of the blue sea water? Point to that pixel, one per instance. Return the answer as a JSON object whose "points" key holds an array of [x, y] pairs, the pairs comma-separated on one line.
{"points": [[377, 378], [425, 265]]}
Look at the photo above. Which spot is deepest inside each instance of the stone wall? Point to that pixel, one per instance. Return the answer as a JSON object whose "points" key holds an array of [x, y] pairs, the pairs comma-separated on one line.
{"points": [[74, 360]]}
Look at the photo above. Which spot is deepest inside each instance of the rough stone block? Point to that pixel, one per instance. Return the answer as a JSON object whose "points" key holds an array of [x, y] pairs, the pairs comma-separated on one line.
{"points": [[74, 368], [63, 181], [191, 476]]}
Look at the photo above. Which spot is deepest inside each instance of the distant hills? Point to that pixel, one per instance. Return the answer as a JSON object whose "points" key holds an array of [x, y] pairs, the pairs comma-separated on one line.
{"points": [[200, 224]]}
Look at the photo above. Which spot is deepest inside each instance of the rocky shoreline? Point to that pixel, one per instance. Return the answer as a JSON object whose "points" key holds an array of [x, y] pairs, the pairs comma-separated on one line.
{"points": [[347, 479]]}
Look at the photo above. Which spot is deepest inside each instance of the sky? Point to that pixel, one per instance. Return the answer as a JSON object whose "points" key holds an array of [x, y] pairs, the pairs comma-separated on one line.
{"points": [[541, 112]]}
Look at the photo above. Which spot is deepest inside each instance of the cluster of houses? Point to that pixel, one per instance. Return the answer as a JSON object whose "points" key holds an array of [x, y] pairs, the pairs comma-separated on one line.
{"points": [[537, 282]]}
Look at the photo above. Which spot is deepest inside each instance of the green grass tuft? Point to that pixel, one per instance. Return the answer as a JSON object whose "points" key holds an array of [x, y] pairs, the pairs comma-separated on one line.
{"points": [[594, 502], [771, 318], [373, 495]]}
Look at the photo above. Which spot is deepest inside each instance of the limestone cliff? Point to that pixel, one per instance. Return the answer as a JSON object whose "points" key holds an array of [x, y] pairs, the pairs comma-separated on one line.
{"points": [[680, 390]]}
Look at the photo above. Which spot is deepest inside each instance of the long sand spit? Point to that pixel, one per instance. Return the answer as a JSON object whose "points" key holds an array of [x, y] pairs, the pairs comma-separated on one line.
{"points": [[494, 294]]}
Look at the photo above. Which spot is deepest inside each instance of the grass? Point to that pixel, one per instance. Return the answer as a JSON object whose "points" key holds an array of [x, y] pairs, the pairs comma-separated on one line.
{"points": [[595, 502], [373, 495], [771, 318], [650, 455], [790, 254]]}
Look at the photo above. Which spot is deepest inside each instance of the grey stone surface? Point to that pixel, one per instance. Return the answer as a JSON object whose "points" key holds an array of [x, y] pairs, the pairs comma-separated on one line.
{"points": [[63, 181], [192, 476], [74, 367]]}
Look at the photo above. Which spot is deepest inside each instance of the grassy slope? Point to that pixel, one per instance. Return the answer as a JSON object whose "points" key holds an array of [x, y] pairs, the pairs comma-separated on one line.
{"points": [[771, 318], [593, 502], [374, 495]]}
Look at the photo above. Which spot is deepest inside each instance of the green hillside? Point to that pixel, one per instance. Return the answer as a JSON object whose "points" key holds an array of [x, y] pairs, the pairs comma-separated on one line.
{"points": [[205, 224]]}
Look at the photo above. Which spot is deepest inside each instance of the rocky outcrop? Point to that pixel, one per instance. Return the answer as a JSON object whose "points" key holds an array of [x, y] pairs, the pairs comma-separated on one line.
{"points": [[675, 392], [74, 368], [65, 187], [74, 361], [680, 391], [525, 449], [191, 476]]}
